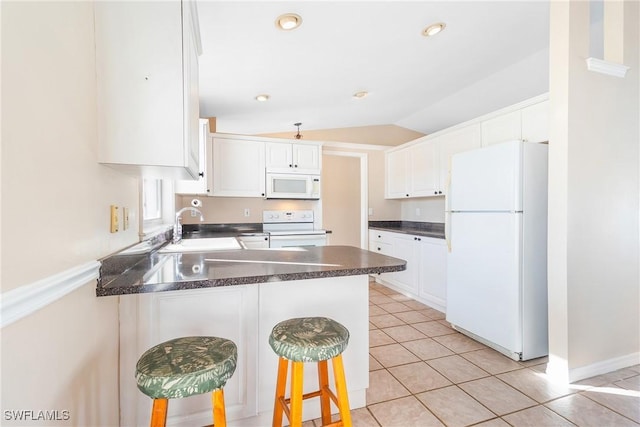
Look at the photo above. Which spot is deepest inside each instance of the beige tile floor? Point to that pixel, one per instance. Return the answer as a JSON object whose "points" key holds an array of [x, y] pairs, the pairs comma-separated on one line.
{"points": [[423, 373]]}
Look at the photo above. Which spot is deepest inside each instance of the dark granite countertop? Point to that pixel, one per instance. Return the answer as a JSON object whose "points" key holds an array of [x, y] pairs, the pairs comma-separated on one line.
{"points": [[139, 272], [426, 229]]}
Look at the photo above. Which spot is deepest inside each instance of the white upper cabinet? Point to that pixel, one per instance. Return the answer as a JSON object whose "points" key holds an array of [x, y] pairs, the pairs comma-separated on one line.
{"points": [[506, 127], [283, 157], [422, 170], [530, 124], [202, 185], [398, 178], [147, 87], [238, 167], [412, 171], [457, 141], [535, 122]]}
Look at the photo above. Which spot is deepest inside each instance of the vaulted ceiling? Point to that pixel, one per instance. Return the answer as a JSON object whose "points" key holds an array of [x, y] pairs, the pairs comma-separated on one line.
{"points": [[491, 54]]}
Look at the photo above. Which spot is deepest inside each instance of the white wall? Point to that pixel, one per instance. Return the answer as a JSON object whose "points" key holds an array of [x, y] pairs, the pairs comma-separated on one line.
{"points": [[424, 209], [55, 215], [594, 284]]}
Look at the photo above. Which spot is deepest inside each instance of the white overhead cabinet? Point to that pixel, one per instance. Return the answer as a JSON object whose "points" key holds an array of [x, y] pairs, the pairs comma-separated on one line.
{"points": [[457, 141], [422, 170], [202, 185], [238, 167], [425, 276], [283, 157], [530, 124], [412, 171], [147, 87]]}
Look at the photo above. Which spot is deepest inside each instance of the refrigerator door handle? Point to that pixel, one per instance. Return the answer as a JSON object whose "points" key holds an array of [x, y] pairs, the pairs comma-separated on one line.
{"points": [[447, 229]]}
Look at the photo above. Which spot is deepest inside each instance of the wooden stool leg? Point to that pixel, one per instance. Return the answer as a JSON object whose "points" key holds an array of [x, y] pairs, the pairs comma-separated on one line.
{"points": [[281, 385], [219, 413], [297, 372], [341, 389], [159, 412], [325, 401]]}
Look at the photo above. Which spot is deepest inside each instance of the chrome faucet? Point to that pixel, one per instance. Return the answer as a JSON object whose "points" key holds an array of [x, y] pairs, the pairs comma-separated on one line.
{"points": [[177, 226]]}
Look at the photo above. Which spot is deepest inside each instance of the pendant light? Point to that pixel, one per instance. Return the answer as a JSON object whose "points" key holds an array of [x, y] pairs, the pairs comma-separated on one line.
{"points": [[298, 135]]}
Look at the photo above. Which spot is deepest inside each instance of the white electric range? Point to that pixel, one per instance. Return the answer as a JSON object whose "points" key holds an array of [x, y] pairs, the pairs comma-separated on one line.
{"points": [[292, 229]]}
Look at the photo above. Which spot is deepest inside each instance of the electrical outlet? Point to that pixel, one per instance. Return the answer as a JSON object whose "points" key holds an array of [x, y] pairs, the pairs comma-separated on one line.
{"points": [[114, 219], [418, 212], [247, 212], [125, 218], [370, 211]]}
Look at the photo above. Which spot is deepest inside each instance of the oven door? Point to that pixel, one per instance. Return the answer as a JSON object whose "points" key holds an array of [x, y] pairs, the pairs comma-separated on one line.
{"points": [[297, 240]]}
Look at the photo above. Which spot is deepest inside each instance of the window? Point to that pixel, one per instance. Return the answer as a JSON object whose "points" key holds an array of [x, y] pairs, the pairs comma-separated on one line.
{"points": [[157, 206], [151, 199]]}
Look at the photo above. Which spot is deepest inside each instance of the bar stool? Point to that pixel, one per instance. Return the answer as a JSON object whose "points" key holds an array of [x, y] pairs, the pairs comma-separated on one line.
{"points": [[184, 367], [310, 339]]}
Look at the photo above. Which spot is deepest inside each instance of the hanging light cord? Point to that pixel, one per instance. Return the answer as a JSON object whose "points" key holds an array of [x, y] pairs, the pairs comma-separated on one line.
{"points": [[298, 135]]}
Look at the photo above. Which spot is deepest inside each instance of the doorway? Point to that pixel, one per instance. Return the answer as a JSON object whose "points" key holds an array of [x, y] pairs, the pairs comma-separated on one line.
{"points": [[344, 197]]}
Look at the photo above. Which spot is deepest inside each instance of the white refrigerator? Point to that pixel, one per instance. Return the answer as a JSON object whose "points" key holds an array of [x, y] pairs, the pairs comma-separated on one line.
{"points": [[497, 260]]}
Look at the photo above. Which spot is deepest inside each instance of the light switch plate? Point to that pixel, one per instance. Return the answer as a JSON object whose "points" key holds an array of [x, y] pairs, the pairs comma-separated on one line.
{"points": [[114, 219], [125, 218]]}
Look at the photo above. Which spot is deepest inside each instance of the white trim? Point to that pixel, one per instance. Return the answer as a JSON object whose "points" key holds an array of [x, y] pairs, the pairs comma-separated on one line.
{"points": [[558, 370], [606, 67], [25, 300], [603, 367], [356, 146], [364, 192]]}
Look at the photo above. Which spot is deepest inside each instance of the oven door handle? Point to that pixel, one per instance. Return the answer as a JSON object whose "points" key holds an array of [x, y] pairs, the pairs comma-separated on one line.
{"points": [[298, 237]]}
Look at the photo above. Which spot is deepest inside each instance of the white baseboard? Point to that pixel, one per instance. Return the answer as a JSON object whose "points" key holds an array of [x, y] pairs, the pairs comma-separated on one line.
{"points": [[604, 366], [558, 370], [25, 300]]}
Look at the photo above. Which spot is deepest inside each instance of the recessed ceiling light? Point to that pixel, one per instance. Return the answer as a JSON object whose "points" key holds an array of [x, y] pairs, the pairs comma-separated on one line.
{"points": [[360, 94], [288, 21], [262, 98], [433, 29]]}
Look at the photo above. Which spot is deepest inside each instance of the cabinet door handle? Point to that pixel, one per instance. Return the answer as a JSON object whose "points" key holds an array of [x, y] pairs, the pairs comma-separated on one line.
{"points": [[407, 195], [290, 165], [379, 249], [295, 166], [201, 174]]}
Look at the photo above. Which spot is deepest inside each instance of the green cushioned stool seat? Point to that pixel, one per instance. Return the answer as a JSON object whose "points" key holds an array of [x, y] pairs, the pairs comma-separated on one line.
{"points": [[309, 339], [186, 366], [316, 340]]}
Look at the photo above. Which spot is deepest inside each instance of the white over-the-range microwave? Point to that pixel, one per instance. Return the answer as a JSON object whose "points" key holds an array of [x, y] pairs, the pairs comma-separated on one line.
{"points": [[293, 186]]}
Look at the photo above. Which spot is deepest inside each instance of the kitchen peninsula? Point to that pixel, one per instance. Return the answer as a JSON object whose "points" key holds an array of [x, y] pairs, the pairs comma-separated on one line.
{"points": [[239, 295]]}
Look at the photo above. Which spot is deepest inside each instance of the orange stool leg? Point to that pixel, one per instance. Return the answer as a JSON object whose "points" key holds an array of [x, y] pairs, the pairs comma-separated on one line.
{"points": [[297, 372], [159, 412], [341, 389], [219, 413], [325, 401], [281, 385]]}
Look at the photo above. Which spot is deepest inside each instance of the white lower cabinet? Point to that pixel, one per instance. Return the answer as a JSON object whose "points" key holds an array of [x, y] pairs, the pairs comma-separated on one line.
{"points": [[433, 272], [246, 315], [424, 279]]}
